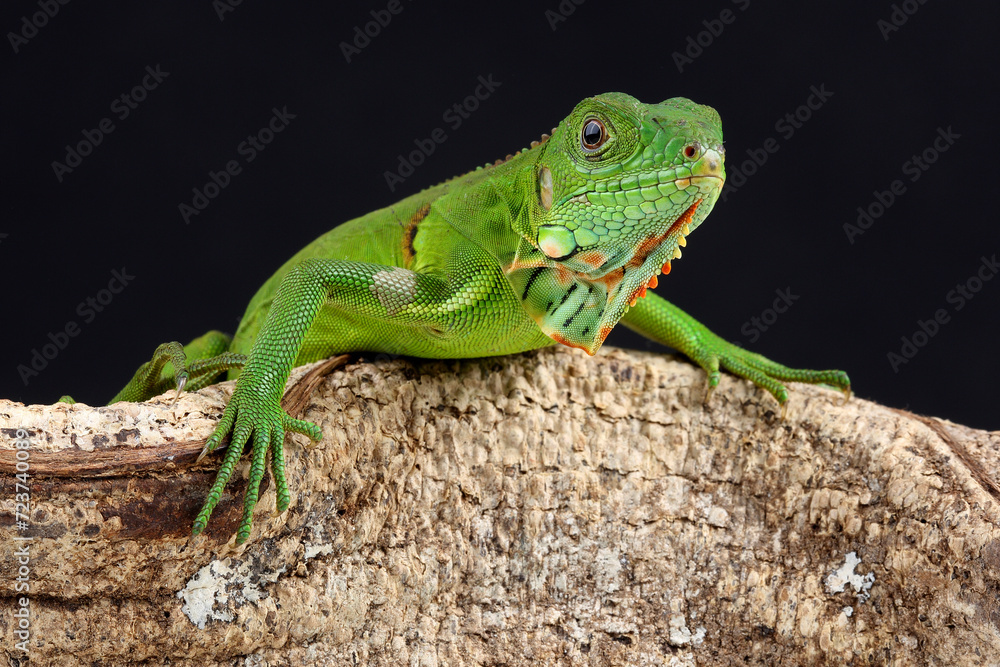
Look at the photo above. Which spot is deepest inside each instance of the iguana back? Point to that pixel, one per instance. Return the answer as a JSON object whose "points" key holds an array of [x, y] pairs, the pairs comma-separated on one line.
{"points": [[413, 236]]}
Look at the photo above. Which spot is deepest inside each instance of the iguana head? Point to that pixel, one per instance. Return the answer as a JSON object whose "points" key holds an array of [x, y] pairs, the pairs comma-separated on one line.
{"points": [[619, 184]]}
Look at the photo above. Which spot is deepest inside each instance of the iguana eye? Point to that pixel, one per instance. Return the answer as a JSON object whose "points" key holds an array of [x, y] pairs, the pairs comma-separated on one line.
{"points": [[594, 134], [692, 150]]}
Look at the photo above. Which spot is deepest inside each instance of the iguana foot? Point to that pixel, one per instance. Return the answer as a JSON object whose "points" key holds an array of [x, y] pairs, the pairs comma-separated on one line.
{"points": [[154, 377], [713, 353], [262, 421]]}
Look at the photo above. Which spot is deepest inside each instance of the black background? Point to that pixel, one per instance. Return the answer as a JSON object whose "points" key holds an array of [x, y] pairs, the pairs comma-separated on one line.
{"points": [[782, 230]]}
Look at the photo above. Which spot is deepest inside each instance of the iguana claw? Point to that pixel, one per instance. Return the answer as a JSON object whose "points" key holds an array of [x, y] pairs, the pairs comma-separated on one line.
{"points": [[182, 378]]}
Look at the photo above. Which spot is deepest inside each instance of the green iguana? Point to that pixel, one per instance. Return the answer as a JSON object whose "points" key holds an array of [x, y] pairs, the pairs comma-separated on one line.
{"points": [[554, 244]]}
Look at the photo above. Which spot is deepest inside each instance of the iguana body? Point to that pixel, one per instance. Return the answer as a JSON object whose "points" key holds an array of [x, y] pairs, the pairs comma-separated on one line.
{"points": [[555, 244]]}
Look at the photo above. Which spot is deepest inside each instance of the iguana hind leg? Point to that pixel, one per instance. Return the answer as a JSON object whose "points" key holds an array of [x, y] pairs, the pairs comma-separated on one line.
{"points": [[170, 369]]}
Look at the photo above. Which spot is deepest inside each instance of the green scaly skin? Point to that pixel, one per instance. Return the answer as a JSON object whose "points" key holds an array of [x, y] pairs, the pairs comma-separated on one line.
{"points": [[554, 245]]}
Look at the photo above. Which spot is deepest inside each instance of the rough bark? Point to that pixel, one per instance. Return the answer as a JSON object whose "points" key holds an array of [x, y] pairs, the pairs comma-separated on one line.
{"points": [[543, 509]]}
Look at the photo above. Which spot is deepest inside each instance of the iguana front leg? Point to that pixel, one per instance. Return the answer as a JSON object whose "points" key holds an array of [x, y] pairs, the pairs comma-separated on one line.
{"points": [[658, 319], [392, 297]]}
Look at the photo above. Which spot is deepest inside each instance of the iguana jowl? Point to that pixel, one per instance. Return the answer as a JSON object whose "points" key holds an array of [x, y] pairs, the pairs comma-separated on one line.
{"points": [[555, 244]]}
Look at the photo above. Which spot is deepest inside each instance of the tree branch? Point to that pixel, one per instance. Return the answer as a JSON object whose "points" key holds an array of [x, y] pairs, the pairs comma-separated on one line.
{"points": [[545, 508]]}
